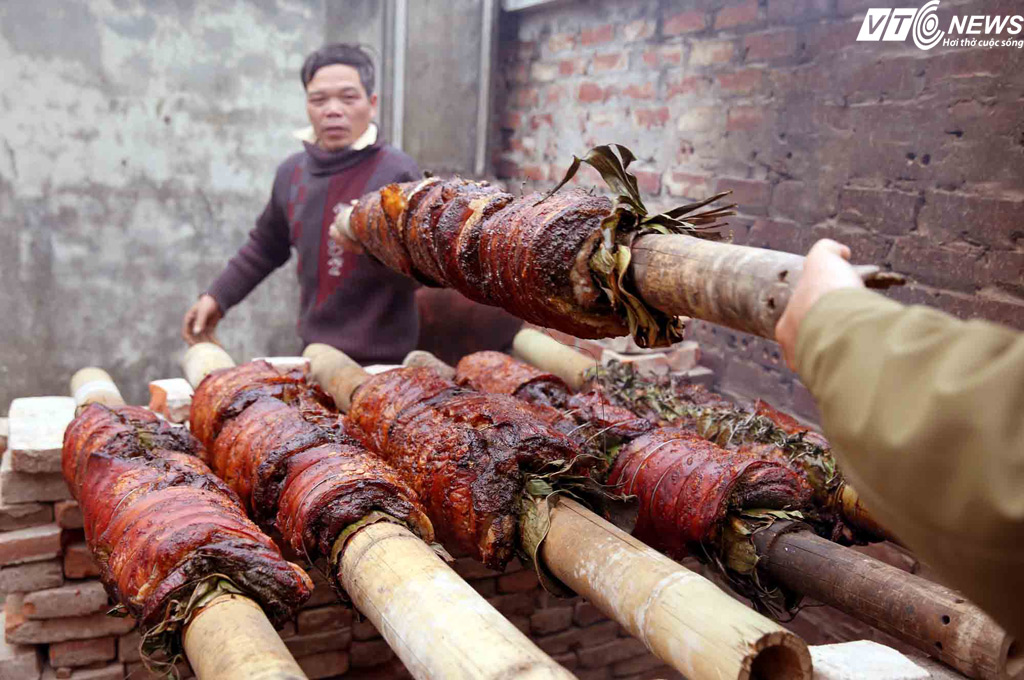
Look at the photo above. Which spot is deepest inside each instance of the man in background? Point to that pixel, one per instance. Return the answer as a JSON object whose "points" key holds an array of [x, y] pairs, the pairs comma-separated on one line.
{"points": [[347, 300]]}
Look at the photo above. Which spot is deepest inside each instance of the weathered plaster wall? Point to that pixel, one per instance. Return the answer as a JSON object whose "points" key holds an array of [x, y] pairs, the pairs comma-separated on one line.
{"points": [[139, 140]]}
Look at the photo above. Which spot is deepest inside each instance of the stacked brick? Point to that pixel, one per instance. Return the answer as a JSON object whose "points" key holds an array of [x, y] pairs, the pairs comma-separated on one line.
{"points": [[911, 157]]}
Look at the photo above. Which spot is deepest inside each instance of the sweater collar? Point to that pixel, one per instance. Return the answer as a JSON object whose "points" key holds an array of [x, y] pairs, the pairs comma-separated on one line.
{"points": [[323, 162]]}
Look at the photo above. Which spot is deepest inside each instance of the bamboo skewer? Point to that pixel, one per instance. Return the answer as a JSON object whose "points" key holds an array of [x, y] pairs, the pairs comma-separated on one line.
{"points": [[680, 616], [434, 621], [932, 618], [230, 638], [744, 288]]}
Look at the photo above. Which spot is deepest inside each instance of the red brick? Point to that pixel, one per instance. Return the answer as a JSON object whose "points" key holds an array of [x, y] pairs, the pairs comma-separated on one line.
{"points": [[511, 120], [574, 638], [526, 97], [30, 545], [68, 514], [554, 94], [586, 614], [598, 35], [685, 185], [25, 487], [736, 15], [684, 22], [26, 578], [18, 662], [610, 61], [745, 192], [21, 630], [780, 235], [365, 654], [519, 582], [547, 621], [687, 86], [318, 642], [572, 67], [666, 55], [741, 118], [957, 267], [16, 516], [712, 52], [651, 118], [128, 647], [884, 210], [991, 221], [332, 616], [520, 604], [589, 93], [774, 46], [71, 599], [78, 561], [536, 173], [559, 42], [802, 202], [470, 569], [640, 664], [326, 665], [747, 81], [541, 120], [648, 181], [608, 653], [364, 630], [962, 305], [82, 652], [635, 91]]}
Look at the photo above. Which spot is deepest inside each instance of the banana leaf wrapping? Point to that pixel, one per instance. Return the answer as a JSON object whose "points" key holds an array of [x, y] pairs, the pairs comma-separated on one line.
{"points": [[289, 458], [685, 486], [560, 260], [467, 454], [159, 523]]}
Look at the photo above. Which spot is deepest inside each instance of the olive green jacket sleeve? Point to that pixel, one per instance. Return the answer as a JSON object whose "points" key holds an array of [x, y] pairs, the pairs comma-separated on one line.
{"points": [[925, 414]]}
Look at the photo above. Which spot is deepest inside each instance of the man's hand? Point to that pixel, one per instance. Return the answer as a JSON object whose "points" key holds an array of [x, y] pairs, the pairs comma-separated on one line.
{"points": [[340, 234], [201, 320], [826, 268]]}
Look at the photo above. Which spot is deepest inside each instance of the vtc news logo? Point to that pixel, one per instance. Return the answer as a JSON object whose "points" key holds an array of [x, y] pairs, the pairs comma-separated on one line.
{"points": [[895, 24]]}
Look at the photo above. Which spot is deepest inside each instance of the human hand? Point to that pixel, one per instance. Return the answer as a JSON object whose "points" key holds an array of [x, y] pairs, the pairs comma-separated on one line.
{"points": [[340, 234], [826, 268], [201, 320]]}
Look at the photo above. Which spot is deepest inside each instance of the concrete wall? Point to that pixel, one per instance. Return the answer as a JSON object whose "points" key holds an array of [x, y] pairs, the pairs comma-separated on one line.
{"points": [[139, 141], [914, 158]]}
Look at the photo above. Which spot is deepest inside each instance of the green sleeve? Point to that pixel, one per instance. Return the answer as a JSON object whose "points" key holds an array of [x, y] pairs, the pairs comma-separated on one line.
{"points": [[925, 414]]}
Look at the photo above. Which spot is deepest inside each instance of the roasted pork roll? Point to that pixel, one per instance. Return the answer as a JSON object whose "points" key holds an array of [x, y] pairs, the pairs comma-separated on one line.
{"points": [[686, 486], [275, 442], [465, 453], [158, 522]]}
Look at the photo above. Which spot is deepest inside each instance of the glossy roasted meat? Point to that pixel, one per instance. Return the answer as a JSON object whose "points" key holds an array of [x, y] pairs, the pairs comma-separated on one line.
{"points": [[590, 413], [288, 457], [528, 257], [686, 485], [158, 521], [465, 453]]}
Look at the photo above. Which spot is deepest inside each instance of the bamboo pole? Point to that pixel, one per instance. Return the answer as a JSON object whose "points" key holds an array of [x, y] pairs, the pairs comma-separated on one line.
{"points": [[203, 358], [434, 621], [422, 359], [644, 591], [230, 638], [682, 617], [437, 624], [741, 287], [94, 385], [551, 356], [933, 618]]}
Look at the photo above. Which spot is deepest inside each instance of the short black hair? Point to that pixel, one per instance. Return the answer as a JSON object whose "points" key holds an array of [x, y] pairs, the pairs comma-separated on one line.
{"points": [[340, 53]]}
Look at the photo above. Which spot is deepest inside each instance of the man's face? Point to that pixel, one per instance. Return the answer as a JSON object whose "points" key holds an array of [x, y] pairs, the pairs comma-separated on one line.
{"points": [[338, 107]]}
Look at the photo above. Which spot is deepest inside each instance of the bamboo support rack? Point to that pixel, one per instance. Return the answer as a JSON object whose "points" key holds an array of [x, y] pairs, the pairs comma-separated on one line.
{"points": [[434, 621], [741, 287], [930, 617], [679, 615], [230, 638]]}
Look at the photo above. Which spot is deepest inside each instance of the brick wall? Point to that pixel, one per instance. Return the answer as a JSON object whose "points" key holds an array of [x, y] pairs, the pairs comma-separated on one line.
{"points": [[915, 159]]}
